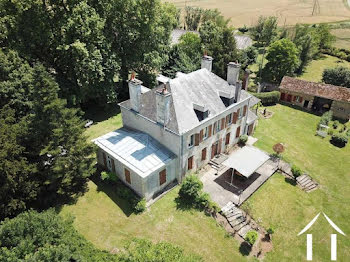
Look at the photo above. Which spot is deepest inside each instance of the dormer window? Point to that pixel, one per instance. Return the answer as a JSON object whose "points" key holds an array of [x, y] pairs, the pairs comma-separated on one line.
{"points": [[201, 112], [227, 98]]}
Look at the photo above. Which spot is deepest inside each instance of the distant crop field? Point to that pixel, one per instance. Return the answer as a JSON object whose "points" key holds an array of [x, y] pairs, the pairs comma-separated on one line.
{"points": [[342, 37], [289, 12]]}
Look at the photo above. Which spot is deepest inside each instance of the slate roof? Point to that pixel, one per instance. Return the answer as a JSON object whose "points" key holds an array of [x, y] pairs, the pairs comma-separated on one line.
{"points": [[316, 89], [200, 87], [137, 150], [243, 41]]}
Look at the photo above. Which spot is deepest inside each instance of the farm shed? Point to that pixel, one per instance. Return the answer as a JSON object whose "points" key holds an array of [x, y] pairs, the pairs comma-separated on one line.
{"points": [[138, 160]]}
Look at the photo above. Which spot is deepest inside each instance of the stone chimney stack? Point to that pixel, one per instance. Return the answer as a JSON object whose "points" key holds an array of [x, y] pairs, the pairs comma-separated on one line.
{"points": [[135, 92], [207, 62], [238, 91], [163, 104], [246, 79], [233, 73]]}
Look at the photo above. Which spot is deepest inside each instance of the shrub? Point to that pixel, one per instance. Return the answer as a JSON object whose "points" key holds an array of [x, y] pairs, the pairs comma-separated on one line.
{"points": [[270, 230], [140, 206], [109, 176], [243, 139], [296, 171], [268, 98], [339, 140], [251, 237], [330, 132], [190, 189], [348, 133], [336, 124], [326, 118], [203, 200], [104, 175]]}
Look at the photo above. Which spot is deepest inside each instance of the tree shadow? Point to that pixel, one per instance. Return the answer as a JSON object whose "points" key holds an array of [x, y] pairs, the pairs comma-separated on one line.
{"points": [[98, 113], [182, 204], [111, 190], [290, 181], [245, 249]]}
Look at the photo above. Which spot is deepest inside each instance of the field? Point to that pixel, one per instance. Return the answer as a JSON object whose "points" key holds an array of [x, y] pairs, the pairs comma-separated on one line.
{"points": [[289, 12], [107, 221], [342, 37], [314, 70], [286, 207]]}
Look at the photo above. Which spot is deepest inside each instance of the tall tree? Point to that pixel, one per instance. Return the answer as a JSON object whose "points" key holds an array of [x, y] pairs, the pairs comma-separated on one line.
{"points": [[339, 76], [67, 37], [17, 187], [140, 35], [193, 17], [220, 43], [265, 30], [49, 138], [307, 41], [283, 59]]}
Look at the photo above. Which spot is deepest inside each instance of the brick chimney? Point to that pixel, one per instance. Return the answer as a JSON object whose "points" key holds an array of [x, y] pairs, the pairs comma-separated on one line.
{"points": [[233, 72], [135, 92], [246, 79], [207, 62], [163, 104]]}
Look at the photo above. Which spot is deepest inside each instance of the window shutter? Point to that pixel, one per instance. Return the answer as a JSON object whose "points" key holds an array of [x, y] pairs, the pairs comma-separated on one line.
{"points": [[204, 153], [295, 98], [239, 110], [227, 118], [190, 163], [196, 139], [227, 139], [235, 117], [127, 176], [245, 110], [209, 132], [104, 158], [301, 99], [238, 131], [162, 177], [201, 136], [222, 123]]}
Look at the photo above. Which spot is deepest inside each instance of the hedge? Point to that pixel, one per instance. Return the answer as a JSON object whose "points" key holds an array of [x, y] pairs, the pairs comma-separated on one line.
{"points": [[268, 98]]}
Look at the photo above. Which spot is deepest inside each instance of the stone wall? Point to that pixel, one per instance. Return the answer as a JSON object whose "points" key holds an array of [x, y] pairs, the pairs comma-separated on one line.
{"points": [[341, 110]]}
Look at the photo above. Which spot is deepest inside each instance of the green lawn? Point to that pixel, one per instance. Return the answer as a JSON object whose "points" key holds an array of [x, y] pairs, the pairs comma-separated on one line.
{"points": [[285, 206], [107, 222], [315, 69]]}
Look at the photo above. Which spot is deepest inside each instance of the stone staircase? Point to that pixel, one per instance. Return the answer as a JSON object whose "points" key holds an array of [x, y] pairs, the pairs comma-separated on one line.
{"points": [[306, 183], [216, 163], [237, 218]]}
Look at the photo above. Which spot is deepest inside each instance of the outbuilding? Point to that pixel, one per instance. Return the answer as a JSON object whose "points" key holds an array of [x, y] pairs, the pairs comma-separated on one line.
{"points": [[138, 160]]}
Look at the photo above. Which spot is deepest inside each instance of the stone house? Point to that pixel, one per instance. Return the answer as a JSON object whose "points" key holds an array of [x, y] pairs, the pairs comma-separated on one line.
{"points": [[177, 127], [316, 97]]}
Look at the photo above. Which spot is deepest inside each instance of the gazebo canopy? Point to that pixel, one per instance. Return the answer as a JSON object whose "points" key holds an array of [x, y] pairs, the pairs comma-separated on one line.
{"points": [[246, 160]]}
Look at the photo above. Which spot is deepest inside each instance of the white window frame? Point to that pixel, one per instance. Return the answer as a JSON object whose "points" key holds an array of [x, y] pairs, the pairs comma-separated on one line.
{"points": [[109, 163], [229, 119], [205, 133], [240, 116], [298, 99], [191, 142], [218, 126]]}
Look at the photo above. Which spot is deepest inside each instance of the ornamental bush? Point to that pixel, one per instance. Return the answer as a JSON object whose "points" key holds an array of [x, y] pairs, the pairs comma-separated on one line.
{"points": [[339, 140], [268, 98], [243, 139], [251, 237], [296, 171], [140, 206], [190, 189]]}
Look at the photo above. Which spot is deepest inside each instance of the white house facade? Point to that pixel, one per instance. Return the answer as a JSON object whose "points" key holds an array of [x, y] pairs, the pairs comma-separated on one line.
{"points": [[177, 127]]}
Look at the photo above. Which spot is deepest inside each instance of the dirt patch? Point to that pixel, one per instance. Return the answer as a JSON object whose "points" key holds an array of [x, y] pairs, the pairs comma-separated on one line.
{"points": [[265, 114], [262, 246]]}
